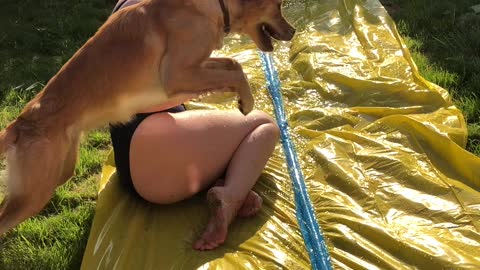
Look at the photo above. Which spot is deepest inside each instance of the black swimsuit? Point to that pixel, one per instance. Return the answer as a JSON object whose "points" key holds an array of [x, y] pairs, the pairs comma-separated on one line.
{"points": [[121, 134]]}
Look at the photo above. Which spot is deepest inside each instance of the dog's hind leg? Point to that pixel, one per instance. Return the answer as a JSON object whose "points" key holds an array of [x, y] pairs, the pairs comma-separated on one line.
{"points": [[33, 173], [70, 160]]}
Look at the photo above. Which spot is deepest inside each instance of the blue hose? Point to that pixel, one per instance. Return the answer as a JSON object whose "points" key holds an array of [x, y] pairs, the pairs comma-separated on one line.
{"points": [[311, 232]]}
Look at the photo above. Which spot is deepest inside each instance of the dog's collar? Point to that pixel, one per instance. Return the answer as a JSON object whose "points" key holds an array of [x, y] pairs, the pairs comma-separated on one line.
{"points": [[226, 17]]}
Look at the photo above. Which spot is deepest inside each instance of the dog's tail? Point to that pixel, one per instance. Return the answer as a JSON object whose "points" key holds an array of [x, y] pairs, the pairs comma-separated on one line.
{"points": [[8, 137]]}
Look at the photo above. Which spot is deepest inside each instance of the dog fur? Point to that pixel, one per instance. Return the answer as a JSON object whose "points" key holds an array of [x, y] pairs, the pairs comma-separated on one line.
{"points": [[156, 52]]}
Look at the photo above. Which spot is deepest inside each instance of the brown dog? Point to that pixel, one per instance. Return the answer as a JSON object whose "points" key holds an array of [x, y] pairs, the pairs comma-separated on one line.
{"points": [[154, 52]]}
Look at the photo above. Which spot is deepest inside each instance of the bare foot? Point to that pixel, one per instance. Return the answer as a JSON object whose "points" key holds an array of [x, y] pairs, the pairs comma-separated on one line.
{"points": [[251, 205], [221, 215], [222, 212]]}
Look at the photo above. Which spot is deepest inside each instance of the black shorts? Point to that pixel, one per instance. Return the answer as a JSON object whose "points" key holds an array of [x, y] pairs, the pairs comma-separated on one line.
{"points": [[121, 135]]}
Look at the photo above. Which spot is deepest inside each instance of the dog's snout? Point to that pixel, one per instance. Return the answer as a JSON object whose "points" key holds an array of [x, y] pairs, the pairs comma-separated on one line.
{"points": [[289, 33]]}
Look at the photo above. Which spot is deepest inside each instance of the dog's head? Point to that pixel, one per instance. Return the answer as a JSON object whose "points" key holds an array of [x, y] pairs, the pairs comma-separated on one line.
{"points": [[263, 20]]}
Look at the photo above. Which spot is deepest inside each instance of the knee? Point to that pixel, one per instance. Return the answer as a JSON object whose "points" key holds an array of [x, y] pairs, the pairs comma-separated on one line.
{"points": [[268, 125], [272, 131], [261, 117]]}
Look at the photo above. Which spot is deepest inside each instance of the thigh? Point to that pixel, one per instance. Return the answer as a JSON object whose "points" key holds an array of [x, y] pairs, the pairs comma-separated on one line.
{"points": [[173, 156]]}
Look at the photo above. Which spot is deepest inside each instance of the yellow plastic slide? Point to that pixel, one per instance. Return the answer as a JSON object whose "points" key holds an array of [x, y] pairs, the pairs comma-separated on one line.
{"points": [[380, 147]]}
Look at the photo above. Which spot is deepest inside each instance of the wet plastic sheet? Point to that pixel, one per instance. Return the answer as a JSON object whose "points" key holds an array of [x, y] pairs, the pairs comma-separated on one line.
{"points": [[381, 150]]}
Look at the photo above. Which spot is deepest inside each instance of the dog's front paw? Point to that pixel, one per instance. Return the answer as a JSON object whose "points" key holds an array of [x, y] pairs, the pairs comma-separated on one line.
{"points": [[245, 97], [233, 64], [245, 105]]}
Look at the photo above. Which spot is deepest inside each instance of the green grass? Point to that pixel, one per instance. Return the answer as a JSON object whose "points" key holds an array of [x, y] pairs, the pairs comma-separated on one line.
{"points": [[444, 39], [37, 37], [56, 238]]}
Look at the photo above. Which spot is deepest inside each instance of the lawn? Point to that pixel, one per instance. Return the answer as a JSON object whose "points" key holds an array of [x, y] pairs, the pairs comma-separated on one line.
{"points": [[444, 39], [37, 37]]}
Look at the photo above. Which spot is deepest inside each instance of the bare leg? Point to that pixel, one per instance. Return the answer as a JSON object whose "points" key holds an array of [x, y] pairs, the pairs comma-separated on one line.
{"points": [[251, 205], [243, 171], [173, 156]]}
